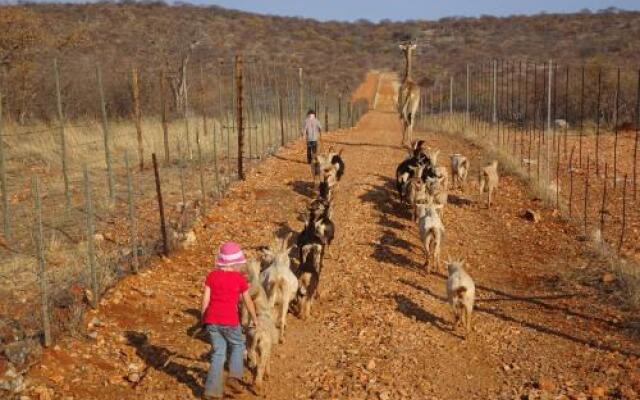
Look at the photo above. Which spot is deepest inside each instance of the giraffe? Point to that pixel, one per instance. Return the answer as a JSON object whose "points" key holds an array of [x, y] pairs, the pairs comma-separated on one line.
{"points": [[408, 96]]}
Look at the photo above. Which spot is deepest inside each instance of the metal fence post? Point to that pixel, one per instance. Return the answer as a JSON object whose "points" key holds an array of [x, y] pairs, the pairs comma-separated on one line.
{"points": [[163, 227], [44, 292], [63, 140], [137, 115], [6, 219], [107, 136], [133, 223], [239, 115], [95, 287]]}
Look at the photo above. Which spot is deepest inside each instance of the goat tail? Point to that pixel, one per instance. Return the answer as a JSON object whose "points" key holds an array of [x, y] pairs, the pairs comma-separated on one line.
{"points": [[461, 291]]}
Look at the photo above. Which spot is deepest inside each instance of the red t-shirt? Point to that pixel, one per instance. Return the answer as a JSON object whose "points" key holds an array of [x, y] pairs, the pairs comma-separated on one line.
{"points": [[226, 288]]}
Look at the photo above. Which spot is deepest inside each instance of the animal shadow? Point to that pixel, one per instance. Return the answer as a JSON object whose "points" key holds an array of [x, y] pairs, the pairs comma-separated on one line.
{"points": [[411, 309], [303, 187], [164, 360], [457, 200]]}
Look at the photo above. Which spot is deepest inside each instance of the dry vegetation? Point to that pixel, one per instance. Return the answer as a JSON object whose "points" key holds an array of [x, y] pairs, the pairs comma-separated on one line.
{"points": [[154, 35]]}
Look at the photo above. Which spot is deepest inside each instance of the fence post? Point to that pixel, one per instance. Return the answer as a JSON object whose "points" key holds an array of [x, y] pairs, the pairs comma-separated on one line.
{"points": [[215, 158], [339, 110], [635, 146], [201, 172], [615, 140], [63, 140], [282, 139], [95, 288], [494, 118], [106, 135], [44, 292], [624, 212], [181, 165], [133, 224], [239, 115], [163, 227], [550, 134], [571, 181], [604, 199], [586, 197], [467, 96], [581, 120], [165, 125], [598, 123], [137, 115], [301, 94], [6, 222]]}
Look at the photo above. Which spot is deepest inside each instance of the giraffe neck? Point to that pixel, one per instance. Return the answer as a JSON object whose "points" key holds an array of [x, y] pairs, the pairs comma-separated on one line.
{"points": [[407, 70]]}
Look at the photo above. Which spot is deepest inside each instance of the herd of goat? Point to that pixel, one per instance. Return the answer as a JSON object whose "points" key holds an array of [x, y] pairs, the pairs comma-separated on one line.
{"points": [[424, 186], [275, 288]]}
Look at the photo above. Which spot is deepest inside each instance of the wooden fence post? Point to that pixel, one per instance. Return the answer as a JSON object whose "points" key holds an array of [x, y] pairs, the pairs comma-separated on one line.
{"points": [[6, 220], [240, 116], [165, 125], [44, 292], [137, 115], [107, 136], [133, 223], [63, 140], [95, 287], [163, 227]]}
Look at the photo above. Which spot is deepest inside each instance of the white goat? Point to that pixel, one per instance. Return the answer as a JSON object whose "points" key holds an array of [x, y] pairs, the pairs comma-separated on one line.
{"points": [[459, 170], [431, 233], [260, 341], [436, 188], [461, 292], [489, 180], [279, 281]]}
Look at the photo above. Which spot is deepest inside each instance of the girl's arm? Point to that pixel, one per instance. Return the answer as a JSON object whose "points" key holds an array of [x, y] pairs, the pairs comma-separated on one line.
{"points": [[205, 300], [248, 302]]}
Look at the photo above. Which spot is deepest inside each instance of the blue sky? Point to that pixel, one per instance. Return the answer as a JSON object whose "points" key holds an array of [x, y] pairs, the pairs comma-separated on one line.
{"points": [[376, 10]]}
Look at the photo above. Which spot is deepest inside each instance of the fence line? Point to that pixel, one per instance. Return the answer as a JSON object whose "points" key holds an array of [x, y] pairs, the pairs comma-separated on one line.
{"points": [[548, 116]]}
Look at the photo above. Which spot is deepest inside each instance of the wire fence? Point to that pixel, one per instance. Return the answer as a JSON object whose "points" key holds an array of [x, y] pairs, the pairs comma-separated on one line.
{"points": [[107, 179], [572, 130]]}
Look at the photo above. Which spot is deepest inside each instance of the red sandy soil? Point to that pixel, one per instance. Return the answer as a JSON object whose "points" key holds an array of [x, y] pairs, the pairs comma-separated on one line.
{"points": [[545, 325]]}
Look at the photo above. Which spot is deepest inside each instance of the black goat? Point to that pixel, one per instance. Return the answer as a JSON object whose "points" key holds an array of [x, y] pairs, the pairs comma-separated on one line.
{"points": [[338, 163]]}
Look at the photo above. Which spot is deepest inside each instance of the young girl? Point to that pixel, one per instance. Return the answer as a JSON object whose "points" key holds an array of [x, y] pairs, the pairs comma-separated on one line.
{"points": [[223, 288]]}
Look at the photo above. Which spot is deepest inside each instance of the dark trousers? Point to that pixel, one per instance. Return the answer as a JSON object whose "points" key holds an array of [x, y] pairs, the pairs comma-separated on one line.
{"points": [[312, 149]]}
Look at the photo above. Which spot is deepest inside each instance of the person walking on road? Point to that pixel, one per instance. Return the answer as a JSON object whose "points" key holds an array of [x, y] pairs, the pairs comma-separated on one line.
{"points": [[223, 288], [311, 130]]}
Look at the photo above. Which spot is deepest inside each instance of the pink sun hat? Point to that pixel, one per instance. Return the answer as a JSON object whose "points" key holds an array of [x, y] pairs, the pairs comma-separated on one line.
{"points": [[230, 254]]}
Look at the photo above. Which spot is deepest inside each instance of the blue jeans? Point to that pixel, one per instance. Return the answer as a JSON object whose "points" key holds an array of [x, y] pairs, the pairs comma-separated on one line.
{"points": [[221, 336], [312, 149]]}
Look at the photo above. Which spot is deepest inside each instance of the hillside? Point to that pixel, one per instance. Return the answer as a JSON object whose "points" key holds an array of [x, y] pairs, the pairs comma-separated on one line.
{"points": [[154, 35]]}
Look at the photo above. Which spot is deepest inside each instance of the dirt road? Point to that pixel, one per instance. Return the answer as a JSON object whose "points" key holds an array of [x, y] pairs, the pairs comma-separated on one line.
{"points": [[545, 324]]}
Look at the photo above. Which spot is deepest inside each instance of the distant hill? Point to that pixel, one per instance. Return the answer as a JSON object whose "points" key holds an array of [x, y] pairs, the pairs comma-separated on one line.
{"points": [[151, 35]]}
